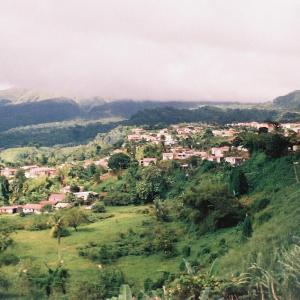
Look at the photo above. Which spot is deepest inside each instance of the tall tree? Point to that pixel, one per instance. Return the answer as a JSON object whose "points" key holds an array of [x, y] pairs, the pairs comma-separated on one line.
{"points": [[238, 182], [58, 227], [75, 217], [247, 229], [4, 190], [17, 184], [151, 185], [119, 161]]}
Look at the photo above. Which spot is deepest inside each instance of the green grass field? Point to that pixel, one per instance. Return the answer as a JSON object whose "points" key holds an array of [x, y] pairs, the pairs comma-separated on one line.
{"points": [[39, 247]]}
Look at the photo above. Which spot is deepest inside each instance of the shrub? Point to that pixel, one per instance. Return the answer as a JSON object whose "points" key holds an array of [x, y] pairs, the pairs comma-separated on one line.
{"points": [[98, 207], [47, 208], [264, 217], [118, 199], [39, 223], [205, 250], [8, 259], [119, 161], [186, 251], [63, 233], [212, 207], [247, 229], [260, 204]]}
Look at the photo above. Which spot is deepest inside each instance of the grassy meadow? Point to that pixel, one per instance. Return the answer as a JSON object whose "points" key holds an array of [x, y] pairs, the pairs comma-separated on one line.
{"points": [[40, 248]]}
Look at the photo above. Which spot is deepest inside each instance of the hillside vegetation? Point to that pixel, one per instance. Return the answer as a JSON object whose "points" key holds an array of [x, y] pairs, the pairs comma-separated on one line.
{"points": [[186, 227], [209, 114], [290, 101]]}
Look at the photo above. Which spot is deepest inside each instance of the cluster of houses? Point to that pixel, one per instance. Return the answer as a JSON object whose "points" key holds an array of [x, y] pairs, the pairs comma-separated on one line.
{"points": [[216, 154], [169, 137], [139, 134], [30, 171], [55, 201], [231, 155], [286, 127]]}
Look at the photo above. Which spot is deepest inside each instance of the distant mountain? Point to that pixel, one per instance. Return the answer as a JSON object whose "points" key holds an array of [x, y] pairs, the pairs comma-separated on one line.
{"points": [[22, 107], [127, 108], [290, 101], [18, 95], [44, 111]]}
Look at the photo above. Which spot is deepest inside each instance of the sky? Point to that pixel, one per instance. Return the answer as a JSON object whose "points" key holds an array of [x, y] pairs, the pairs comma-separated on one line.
{"points": [[152, 49]]}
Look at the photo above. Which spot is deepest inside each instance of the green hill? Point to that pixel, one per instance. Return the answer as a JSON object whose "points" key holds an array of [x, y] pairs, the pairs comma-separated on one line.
{"points": [[290, 101], [271, 202]]}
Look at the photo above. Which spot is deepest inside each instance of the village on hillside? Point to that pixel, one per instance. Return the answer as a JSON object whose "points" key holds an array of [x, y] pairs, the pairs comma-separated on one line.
{"points": [[179, 143]]}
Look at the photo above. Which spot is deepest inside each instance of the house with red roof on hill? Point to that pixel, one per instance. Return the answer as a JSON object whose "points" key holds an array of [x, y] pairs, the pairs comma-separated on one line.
{"points": [[13, 209], [56, 197]]}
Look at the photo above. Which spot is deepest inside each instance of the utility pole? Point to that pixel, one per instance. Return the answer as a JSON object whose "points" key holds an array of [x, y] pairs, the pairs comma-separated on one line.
{"points": [[295, 170]]}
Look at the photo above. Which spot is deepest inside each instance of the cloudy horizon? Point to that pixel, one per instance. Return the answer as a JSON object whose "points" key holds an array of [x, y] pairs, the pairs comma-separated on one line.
{"points": [[187, 50]]}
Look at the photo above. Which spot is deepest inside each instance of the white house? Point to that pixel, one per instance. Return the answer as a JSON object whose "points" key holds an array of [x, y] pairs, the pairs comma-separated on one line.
{"points": [[234, 160], [168, 156], [147, 161], [32, 208], [85, 195]]}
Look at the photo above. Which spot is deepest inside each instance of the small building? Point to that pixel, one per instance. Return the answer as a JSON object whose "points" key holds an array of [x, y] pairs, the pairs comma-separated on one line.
{"points": [[103, 162], [168, 156], [32, 208], [148, 161], [13, 209], [62, 205], [67, 189], [86, 196], [234, 160], [219, 151], [134, 137], [215, 158], [40, 171], [8, 172], [57, 197], [137, 131], [296, 148]]}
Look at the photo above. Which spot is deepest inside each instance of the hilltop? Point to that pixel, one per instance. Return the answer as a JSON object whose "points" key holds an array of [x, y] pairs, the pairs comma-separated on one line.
{"points": [[290, 101]]}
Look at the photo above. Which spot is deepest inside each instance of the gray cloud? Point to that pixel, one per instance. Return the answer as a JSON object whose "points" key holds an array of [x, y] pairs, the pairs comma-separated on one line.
{"points": [[158, 49]]}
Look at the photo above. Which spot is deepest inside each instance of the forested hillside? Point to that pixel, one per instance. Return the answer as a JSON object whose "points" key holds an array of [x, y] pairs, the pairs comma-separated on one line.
{"points": [[52, 110], [290, 101], [209, 114], [49, 134], [170, 229]]}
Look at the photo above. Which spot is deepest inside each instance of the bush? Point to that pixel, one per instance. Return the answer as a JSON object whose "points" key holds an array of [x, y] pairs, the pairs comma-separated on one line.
{"points": [[186, 251], [104, 286], [63, 233], [47, 208], [8, 259], [118, 199], [260, 204], [212, 207], [39, 223], [119, 161], [98, 207], [264, 217]]}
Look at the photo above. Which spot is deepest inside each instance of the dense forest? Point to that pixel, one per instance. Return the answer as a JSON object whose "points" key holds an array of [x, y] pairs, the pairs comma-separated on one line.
{"points": [[206, 114], [61, 133]]}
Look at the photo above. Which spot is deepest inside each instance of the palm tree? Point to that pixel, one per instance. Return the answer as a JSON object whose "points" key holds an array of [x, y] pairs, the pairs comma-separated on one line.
{"points": [[58, 225]]}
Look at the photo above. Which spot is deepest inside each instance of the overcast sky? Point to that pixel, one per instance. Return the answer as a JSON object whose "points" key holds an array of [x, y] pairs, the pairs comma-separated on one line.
{"points": [[152, 49]]}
